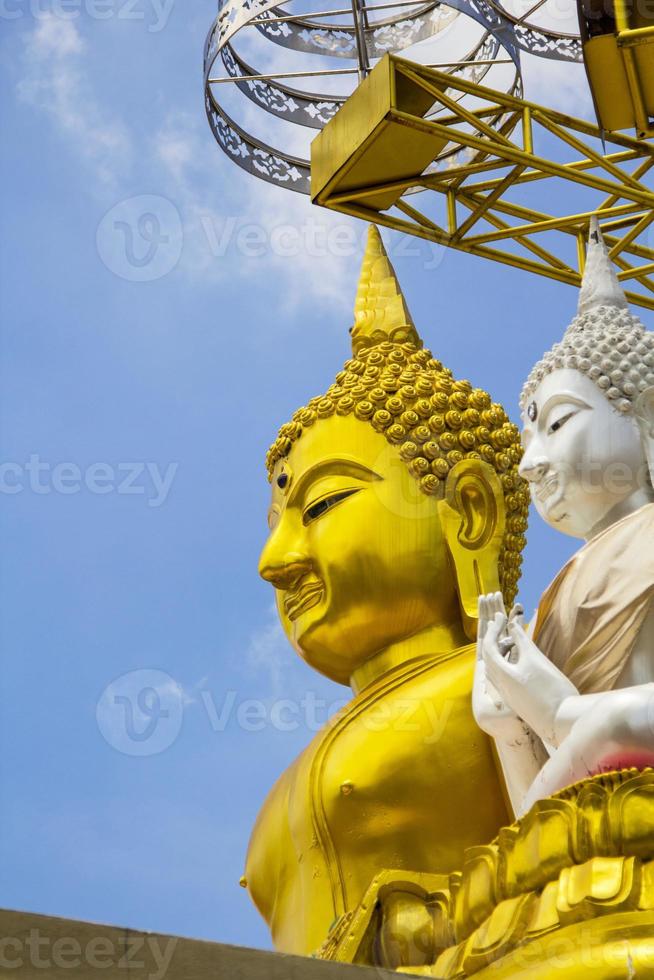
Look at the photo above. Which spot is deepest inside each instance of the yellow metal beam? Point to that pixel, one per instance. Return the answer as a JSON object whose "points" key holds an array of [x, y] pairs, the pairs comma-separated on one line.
{"points": [[516, 155], [639, 35], [371, 164], [487, 202]]}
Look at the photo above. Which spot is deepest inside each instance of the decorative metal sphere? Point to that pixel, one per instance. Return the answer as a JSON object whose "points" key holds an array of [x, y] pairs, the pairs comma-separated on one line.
{"points": [[359, 34]]}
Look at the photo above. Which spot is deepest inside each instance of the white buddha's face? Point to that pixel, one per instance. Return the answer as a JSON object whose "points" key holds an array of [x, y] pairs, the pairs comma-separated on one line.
{"points": [[583, 459]]}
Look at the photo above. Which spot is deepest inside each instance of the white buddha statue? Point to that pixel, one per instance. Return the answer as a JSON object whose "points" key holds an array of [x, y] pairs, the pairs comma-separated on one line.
{"points": [[574, 694]]}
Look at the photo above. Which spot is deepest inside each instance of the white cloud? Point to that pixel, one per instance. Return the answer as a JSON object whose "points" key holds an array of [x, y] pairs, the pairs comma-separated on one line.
{"points": [[279, 672], [180, 156], [56, 81], [256, 229], [187, 695], [234, 224], [268, 653], [54, 37], [558, 85]]}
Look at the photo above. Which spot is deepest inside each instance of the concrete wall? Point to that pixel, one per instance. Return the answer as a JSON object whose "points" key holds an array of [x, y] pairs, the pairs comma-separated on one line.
{"points": [[33, 947]]}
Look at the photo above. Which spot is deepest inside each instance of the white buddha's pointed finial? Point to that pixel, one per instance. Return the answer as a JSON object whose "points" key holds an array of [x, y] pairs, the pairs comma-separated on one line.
{"points": [[600, 285], [602, 339]]}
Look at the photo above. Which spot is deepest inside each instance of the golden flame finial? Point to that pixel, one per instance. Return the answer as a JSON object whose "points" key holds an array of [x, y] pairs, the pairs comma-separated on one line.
{"points": [[380, 311]]}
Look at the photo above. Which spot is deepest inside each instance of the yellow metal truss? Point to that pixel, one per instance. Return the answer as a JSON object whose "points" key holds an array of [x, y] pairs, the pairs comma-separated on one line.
{"points": [[375, 160], [620, 65]]}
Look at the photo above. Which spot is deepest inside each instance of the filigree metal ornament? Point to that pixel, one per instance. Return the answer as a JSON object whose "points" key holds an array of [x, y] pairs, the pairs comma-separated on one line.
{"points": [[361, 40]]}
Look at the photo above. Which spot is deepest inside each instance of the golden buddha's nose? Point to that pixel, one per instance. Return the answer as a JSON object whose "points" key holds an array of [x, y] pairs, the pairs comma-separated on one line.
{"points": [[284, 573]]}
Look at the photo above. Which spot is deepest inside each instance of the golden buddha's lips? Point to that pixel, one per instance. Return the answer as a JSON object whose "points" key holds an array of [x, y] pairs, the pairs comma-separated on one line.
{"points": [[302, 599]]}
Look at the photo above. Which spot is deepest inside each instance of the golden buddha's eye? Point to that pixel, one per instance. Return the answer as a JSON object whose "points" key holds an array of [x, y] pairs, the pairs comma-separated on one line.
{"points": [[313, 511]]}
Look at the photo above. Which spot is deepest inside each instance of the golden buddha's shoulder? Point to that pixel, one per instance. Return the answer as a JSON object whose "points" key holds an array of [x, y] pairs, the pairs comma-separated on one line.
{"points": [[274, 842], [266, 846]]}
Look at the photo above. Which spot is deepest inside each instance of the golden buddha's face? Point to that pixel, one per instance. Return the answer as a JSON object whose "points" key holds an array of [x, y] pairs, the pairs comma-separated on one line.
{"points": [[356, 552]]}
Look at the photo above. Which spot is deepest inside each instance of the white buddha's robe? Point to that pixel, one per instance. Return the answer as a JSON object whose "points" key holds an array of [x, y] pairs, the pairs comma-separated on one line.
{"points": [[589, 618]]}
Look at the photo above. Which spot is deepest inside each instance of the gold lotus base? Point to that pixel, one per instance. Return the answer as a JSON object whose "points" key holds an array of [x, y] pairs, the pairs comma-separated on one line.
{"points": [[567, 891], [615, 946]]}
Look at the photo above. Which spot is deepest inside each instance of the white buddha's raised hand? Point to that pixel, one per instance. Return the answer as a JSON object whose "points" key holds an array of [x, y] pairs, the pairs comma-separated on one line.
{"points": [[493, 715], [525, 678]]}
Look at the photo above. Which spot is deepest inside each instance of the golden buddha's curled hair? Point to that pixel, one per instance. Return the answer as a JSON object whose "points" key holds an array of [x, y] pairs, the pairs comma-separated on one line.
{"points": [[434, 421], [395, 385]]}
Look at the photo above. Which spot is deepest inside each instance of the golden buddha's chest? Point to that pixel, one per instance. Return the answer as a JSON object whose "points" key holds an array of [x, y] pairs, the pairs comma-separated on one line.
{"points": [[391, 776], [394, 781]]}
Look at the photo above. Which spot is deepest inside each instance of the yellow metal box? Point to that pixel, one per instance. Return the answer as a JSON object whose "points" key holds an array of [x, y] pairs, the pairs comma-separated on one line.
{"points": [[363, 146]]}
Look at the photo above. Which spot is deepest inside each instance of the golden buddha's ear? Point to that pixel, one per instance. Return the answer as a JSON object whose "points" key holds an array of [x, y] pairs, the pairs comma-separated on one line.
{"points": [[473, 520]]}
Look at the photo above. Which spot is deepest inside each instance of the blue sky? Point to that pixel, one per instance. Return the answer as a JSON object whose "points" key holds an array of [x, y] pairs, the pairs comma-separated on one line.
{"points": [[135, 417]]}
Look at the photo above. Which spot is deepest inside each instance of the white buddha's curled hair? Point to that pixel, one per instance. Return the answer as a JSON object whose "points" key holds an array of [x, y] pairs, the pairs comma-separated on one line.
{"points": [[605, 341]]}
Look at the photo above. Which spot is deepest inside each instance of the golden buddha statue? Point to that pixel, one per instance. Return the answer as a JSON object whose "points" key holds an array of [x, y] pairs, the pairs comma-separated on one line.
{"points": [[396, 502]]}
